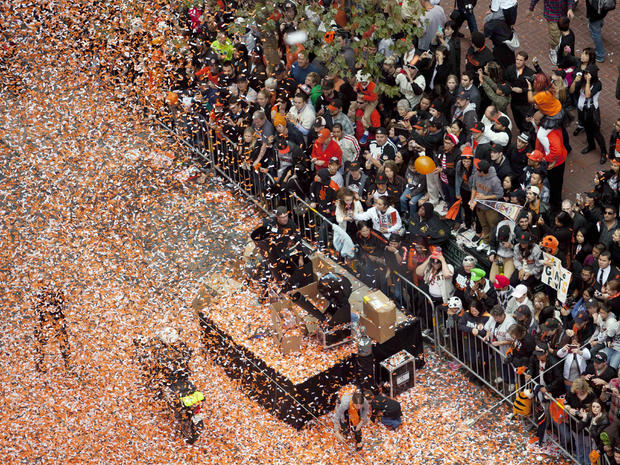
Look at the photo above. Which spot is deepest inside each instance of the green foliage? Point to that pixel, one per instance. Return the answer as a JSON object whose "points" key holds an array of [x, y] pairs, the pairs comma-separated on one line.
{"points": [[381, 18]]}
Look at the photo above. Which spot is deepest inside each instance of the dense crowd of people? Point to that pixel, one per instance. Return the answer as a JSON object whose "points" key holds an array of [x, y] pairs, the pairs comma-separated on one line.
{"points": [[495, 130]]}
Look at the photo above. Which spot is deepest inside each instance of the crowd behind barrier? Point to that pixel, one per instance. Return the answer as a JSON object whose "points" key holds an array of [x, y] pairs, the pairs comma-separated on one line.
{"points": [[386, 183]]}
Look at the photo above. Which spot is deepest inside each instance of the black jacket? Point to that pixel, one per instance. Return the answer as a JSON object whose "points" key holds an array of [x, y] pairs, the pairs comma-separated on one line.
{"points": [[510, 75], [554, 378]]}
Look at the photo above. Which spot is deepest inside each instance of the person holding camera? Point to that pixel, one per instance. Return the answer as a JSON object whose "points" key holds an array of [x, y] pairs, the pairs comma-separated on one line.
{"points": [[411, 83], [598, 373]]}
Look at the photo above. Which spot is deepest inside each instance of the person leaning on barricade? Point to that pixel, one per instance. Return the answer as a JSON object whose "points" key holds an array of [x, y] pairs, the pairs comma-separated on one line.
{"points": [[471, 325], [495, 333], [545, 372], [481, 289]]}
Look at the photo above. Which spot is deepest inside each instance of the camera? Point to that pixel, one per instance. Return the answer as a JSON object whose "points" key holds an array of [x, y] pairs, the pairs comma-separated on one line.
{"points": [[530, 79]]}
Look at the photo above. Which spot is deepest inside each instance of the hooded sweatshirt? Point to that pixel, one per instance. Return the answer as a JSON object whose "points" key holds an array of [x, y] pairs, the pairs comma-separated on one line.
{"points": [[487, 185]]}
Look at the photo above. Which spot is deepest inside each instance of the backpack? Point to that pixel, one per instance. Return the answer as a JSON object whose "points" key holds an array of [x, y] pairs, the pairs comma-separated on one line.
{"points": [[604, 6]]}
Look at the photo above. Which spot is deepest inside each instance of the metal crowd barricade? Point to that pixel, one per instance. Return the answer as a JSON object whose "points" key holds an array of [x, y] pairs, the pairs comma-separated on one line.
{"points": [[483, 361], [416, 302], [488, 365], [566, 431]]}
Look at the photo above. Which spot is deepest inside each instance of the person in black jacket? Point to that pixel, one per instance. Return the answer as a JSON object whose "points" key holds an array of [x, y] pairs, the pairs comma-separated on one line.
{"points": [[545, 372], [478, 55], [516, 75], [453, 45], [384, 409], [496, 29], [470, 324], [500, 162]]}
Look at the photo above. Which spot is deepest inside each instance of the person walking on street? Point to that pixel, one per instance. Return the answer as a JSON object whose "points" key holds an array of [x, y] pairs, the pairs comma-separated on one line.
{"points": [[553, 10], [596, 14]]}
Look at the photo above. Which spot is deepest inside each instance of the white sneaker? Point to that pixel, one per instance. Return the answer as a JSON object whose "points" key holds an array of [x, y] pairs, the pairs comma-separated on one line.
{"points": [[553, 56], [482, 246]]}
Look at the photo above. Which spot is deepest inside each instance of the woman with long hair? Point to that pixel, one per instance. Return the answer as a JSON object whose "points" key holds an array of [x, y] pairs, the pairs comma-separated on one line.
{"points": [[586, 59], [346, 208], [542, 95], [589, 87], [463, 173], [395, 182]]}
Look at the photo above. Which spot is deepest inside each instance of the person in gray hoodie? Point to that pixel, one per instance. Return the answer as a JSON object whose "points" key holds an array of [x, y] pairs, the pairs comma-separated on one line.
{"points": [[485, 185]]}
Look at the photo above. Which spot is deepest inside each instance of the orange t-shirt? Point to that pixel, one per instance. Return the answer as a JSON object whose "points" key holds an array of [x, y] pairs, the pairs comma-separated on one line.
{"points": [[547, 103]]}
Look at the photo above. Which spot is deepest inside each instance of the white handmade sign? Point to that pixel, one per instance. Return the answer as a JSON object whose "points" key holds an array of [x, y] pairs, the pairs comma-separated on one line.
{"points": [[556, 276]]}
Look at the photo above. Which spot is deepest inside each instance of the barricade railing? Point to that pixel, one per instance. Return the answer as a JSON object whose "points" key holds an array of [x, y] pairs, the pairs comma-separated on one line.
{"points": [[484, 362], [491, 366]]}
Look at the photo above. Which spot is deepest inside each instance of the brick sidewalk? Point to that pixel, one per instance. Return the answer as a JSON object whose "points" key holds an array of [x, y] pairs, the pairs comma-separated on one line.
{"points": [[533, 36]]}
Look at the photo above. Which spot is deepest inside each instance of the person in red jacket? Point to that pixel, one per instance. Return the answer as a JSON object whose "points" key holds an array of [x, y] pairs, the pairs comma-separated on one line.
{"points": [[325, 148], [555, 159]]}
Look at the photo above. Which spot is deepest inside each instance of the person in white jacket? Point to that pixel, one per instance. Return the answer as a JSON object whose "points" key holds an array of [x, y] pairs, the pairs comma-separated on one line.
{"points": [[496, 329], [495, 332], [608, 336], [302, 115], [575, 361], [346, 208], [385, 218], [411, 83]]}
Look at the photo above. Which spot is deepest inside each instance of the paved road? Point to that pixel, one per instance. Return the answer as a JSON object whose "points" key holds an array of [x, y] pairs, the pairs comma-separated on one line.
{"points": [[533, 36]]}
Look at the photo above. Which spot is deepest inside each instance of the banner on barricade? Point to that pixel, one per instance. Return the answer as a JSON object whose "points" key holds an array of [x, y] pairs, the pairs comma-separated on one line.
{"points": [[509, 210], [556, 276]]}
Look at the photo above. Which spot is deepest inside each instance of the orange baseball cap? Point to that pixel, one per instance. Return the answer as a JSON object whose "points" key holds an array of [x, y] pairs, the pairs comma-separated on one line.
{"points": [[323, 135]]}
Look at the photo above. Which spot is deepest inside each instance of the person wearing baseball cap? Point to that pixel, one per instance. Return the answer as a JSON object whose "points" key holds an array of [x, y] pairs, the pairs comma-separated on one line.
{"points": [[518, 298], [481, 289], [500, 162], [465, 110], [597, 370], [338, 116], [534, 203], [527, 260], [461, 278], [534, 161], [325, 148], [517, 152]]}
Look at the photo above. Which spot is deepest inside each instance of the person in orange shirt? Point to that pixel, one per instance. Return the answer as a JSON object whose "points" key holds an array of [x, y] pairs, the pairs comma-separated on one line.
{"points": [[541, 94], [555, 159]]}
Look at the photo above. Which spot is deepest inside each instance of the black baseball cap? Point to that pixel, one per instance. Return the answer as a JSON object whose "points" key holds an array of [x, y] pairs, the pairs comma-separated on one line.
{"points": [[477, 127]]}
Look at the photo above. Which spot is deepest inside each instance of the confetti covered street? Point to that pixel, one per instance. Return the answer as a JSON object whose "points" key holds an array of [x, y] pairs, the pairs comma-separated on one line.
{"points": [[91, 204]]}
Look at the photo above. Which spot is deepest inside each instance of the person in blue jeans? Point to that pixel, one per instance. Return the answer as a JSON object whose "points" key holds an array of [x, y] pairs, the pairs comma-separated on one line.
{"points": [[595, 24], [385, 409], [414, 190], [465, 10]]}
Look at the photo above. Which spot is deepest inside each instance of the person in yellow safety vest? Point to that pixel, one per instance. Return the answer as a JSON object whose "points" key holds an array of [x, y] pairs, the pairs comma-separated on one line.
{"points": [[223, 47], [49, 305], [351, 415], [192, 399]]}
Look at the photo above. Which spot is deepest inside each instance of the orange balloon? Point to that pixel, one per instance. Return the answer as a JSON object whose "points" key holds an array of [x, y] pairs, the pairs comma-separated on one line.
{"points": [[424, 165], [172, 98]]}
